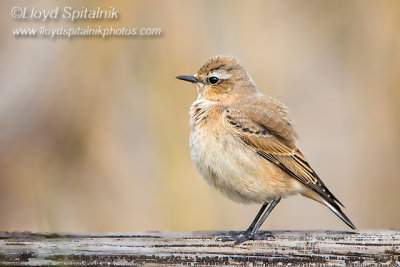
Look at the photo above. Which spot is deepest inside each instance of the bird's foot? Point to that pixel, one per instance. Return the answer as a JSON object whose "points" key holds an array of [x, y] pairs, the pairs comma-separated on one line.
{"points": [[262, 235], [240, 237], [231, 236]]}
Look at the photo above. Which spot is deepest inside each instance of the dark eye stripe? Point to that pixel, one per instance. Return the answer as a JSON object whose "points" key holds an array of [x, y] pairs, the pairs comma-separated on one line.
{"points": [[216, 68]]}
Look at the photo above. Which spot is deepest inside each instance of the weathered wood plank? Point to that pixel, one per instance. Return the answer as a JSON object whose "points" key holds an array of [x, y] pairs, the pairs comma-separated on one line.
{"points": [[177, 248]]}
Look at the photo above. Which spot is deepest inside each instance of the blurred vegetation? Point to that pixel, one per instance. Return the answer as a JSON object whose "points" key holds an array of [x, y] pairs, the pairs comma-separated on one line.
{"points": [[94, 133]]}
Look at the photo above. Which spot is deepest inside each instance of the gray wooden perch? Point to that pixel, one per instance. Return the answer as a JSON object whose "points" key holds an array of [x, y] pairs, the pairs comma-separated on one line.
{"points": [[202, 248]]}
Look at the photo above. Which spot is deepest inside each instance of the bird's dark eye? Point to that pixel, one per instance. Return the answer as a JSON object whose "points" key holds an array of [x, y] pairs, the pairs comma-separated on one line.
{"points": [[213, 80]]}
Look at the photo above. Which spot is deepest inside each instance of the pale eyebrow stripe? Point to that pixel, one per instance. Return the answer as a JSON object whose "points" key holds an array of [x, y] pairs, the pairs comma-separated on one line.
{"points": [[221, 75]]}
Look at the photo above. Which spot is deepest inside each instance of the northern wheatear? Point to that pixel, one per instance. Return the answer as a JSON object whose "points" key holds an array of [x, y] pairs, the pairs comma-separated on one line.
{"points": [[243, 144]]}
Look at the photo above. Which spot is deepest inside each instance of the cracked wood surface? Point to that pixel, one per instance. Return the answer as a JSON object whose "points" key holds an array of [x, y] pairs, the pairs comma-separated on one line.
{"points": [[202, 248]]}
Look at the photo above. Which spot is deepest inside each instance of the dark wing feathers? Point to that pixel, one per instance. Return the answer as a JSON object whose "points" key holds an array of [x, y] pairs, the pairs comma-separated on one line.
{"points": [[272, 137]]}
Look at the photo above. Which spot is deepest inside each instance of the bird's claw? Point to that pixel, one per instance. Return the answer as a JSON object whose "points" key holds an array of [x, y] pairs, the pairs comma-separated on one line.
{"points": [[240, 237], [231, 236], [264, 235], [225, 238]]}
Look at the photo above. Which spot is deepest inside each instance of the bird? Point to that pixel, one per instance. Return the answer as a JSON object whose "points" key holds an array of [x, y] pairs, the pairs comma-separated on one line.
{"points": [[243, 143]]}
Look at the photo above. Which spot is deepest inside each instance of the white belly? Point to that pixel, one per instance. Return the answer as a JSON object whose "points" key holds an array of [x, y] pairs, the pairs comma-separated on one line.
{"points": [[234, 169]]}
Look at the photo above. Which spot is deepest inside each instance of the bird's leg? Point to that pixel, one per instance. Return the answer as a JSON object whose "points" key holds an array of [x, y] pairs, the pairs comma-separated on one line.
{"points": [[251, 235], [253, 224], [233, 235]]}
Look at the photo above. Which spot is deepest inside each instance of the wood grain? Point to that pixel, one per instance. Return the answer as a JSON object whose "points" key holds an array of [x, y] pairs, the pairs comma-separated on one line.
{"points": [[177, 248]]}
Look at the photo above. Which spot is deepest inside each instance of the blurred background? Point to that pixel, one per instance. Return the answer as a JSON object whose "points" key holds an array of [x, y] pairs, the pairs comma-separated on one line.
{"points": [[94, 132]]}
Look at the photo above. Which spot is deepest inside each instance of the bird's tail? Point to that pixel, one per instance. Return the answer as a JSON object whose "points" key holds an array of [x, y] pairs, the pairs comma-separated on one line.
{"points": [[333, 206], [336, 209]]}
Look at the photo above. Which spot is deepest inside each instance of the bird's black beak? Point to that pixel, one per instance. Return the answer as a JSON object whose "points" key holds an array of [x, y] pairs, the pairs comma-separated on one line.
{"points": [[191, 79]]}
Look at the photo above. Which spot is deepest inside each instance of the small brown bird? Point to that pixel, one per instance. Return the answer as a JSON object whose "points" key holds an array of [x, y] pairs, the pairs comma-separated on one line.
{"points": [[243, 144]]}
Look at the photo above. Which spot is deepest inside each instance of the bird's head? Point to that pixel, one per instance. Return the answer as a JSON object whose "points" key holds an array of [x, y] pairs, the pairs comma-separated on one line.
{"points": [[221, 78]]}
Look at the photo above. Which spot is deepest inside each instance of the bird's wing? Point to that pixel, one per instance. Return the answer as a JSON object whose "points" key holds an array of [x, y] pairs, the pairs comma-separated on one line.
{"points": [[272, 137]]}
